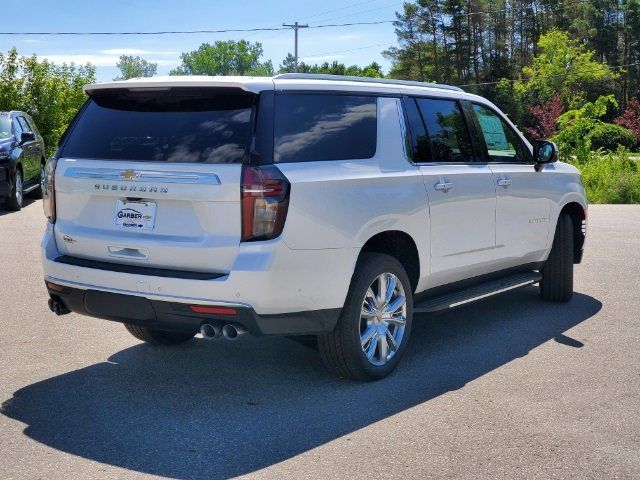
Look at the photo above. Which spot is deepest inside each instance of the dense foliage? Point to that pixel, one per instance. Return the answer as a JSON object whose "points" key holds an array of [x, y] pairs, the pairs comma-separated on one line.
{"points": [[225, 58], [482, 41], [609, 177], [608, 136], [334, 68], [630, 118], [51, 94], [134, 67], [545, 118], [535, 59]]}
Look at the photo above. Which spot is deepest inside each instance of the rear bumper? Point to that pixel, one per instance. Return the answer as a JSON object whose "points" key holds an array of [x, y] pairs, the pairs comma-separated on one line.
{"points": [[275, 290], [179, 317]]}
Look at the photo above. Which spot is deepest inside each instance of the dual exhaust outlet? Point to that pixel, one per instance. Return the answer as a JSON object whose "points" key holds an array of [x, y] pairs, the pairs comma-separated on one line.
{"points": [[229, 331]]}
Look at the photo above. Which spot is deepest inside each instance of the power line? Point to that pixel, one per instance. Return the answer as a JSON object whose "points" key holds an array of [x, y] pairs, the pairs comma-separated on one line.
{"points": [[320, 14], [335, 10], [187, 32], [345, 51], [378, 22]]}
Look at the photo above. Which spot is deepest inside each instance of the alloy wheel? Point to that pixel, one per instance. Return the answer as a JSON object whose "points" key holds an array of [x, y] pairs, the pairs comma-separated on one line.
{"points": [[383, 318], [18, 188]]}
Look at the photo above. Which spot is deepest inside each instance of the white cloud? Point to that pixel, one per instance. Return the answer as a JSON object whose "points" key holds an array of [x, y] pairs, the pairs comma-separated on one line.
{"points": [[322, 58], [98, 60], [348, 37], [135, 51], [32, 40]]}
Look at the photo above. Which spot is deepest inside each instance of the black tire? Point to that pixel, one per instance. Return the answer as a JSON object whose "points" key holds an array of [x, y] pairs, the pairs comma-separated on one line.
{"points": [[37, 193], [341, 349], [557, 274], [158, 337], [14, 201]]}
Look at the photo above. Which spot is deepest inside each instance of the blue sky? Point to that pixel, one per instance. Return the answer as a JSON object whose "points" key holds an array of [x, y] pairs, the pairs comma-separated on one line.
{"points": [[351, 45]]}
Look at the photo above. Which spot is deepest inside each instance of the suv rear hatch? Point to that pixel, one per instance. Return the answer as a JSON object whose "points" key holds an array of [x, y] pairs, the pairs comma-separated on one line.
{"points": [[151, 177]]}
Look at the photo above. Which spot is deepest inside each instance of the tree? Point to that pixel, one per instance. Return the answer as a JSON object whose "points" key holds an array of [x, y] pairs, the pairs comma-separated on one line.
{"points": [[476, 43], [575, 125], [134, 67], [288, 64], [51, 94], [228, 57], [546, 115], [373, 70], [564, 66]]}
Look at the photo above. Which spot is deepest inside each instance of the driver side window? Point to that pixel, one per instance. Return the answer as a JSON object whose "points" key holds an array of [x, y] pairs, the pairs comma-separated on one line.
{"points": [[502, 143], [17, 129]]}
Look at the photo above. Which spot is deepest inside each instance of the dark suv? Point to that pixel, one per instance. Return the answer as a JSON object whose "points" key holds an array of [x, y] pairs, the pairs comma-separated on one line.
{"points": [[21, 158]]}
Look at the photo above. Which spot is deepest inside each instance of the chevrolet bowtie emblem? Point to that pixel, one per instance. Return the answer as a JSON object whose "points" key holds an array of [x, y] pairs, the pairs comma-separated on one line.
{"points": [[129, 175]]}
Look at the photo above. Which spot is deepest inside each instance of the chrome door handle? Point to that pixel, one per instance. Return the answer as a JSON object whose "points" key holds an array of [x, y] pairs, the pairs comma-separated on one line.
{"points": [[504, 182], [443, 186]]}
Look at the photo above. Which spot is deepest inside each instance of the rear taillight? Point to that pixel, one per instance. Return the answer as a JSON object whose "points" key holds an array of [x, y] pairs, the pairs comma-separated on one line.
{"points": [[49, 191], [265, 199]]}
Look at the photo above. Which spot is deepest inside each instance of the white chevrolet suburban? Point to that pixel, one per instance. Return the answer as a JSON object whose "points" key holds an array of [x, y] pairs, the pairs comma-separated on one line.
{"points": [[318, 205]]}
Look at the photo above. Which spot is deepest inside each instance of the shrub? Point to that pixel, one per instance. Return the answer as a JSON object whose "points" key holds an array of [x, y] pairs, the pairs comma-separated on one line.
{"points": [[630, 118], [610, 177], [609, 137], [546, 117], [575, 125]]}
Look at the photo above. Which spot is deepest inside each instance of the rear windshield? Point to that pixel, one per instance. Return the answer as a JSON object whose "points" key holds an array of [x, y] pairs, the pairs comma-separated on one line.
{"points": [[181, 125]]}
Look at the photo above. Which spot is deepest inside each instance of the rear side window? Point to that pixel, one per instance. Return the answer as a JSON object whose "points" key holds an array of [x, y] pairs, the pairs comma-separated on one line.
{"points": [[420, 139], [182, 125], [446, 129], [313, 127]]}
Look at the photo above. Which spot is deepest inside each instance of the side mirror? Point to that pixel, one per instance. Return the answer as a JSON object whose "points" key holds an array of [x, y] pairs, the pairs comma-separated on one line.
{"points": [[27, 137], [545, 152]]}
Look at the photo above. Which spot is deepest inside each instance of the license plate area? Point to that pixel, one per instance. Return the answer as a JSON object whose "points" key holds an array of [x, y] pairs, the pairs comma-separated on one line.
{"points": [[136, 215]]}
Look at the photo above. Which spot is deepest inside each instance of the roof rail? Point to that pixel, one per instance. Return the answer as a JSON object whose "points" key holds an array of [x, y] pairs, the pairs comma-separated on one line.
{"points": [[347, 78]]}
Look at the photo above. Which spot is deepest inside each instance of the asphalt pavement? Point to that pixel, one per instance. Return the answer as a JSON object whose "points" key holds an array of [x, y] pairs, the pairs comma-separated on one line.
{"points": [[510, 387]]}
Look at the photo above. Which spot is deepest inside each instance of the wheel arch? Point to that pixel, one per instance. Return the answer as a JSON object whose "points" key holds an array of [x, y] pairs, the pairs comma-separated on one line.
{"points": [[399, 245], [578, 214]]}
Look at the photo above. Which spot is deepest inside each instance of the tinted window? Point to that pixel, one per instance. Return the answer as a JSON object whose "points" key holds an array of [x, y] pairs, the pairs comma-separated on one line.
{"points": [[502, 143], [310, 127], [446, 129], [184, 125], [24, 124], [419, 138], [5, 127], [17, 128]]}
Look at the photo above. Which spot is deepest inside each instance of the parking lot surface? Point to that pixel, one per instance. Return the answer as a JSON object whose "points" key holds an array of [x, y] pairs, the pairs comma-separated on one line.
{"points": [[507, 388]]}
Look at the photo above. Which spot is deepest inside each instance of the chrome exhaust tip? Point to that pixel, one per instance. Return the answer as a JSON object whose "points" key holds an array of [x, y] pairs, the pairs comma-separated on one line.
{"points": [[210, 331], [232, 332]]}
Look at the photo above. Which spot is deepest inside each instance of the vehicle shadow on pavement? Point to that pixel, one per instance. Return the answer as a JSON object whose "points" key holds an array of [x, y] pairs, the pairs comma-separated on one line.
{"points": [[221, 409], [26, 202]]}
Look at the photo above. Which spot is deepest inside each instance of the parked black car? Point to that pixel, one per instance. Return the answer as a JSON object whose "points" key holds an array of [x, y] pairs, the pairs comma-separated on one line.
{"points": [[22, 158]]}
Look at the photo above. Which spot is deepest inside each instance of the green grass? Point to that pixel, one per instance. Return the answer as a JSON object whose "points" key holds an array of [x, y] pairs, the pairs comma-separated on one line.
{"points": [[610, 177]]}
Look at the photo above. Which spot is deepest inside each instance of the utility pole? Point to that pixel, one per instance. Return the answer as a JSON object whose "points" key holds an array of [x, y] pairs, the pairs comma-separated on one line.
{"points": [[296, 26]]}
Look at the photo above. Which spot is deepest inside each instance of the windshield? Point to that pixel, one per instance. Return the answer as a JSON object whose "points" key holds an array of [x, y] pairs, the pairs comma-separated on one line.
{"points": [[181, 125], [5, 127]]}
